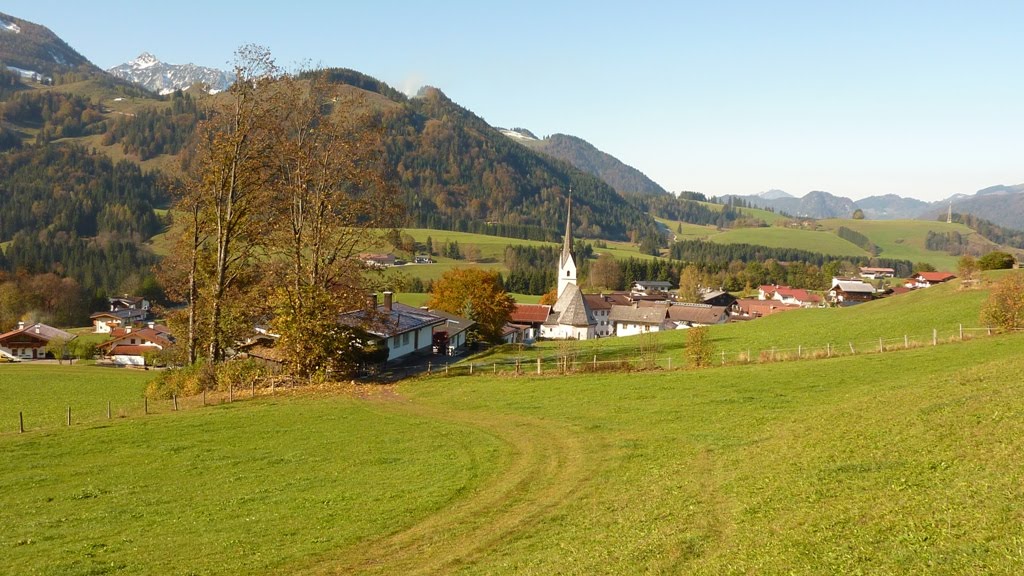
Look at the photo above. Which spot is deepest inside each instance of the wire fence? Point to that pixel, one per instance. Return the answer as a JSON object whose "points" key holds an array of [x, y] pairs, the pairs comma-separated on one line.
{"points": [[651, 358], [647, 358]]}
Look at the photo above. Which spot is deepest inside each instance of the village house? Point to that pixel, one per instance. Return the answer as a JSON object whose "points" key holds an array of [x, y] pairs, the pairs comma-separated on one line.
{"points": [[129, 346], [451, 337], [748, 308], [929, 279], [378, 260], [717, 298], [876, 273], [790, 295], [29, 341], [124, 311], [650, 287], [600, 307], [688, 315], [529, 318], [403, 329], [636, 319], [847, 292]]}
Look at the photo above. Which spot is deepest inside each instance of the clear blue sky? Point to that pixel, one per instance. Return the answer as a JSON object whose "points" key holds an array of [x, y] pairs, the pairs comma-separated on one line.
{"points": [[922, 99]]}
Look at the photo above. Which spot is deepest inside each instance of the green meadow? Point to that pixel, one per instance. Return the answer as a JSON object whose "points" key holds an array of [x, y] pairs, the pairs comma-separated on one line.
{"points": [[907, 462]]}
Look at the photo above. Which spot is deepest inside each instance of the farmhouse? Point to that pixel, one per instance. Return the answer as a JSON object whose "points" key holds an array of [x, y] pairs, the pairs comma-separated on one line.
{"points": [[753, 308], [650, 287], [128, 346], [378, 260], [29, 342], [850, 292], [929, 279], [717, 298], [600, 307]]}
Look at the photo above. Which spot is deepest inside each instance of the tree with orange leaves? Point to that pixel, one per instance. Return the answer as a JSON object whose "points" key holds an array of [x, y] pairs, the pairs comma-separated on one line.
{"points": [[476, 294]]}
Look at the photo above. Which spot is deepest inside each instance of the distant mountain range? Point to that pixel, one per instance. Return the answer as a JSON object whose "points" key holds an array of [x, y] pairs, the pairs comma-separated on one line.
{"points": [[1003, 205], [583, 155], [149, 72]]}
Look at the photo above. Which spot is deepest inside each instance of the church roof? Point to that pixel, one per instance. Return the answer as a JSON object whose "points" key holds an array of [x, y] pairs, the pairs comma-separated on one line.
{"points": [[571, 309], [567, 243]]}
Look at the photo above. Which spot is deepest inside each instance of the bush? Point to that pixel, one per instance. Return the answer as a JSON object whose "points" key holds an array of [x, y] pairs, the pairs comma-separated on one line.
{"points": [[698, 347], [1005, 305]]}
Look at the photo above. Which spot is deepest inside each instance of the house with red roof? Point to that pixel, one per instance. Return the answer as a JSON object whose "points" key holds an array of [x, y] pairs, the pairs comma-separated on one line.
{"points": [[129, 346], [929, 279], [790, 295]]}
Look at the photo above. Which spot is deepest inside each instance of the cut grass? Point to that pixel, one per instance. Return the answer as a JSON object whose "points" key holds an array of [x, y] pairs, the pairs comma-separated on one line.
{"points": [[905, 239], [775, 237]]}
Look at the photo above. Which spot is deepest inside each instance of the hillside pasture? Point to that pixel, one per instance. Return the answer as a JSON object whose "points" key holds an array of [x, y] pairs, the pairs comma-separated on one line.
{"points": [[777, 237], [905, 239], [888, 463]]}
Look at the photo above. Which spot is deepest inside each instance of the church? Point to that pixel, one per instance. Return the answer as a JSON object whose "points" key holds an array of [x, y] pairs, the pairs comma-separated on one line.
{"points": [[571, 316]]}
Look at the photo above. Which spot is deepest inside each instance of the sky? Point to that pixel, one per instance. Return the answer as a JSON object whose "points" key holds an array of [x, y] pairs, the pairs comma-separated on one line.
{"points": [[920, 99]]}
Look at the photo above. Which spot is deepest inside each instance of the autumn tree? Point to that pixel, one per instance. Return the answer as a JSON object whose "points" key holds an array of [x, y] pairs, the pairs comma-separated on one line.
{"points": [[330, 200], [476, 294], [605, 272], [1005, 305], [967, 269], [996, 260], [690, 281]]}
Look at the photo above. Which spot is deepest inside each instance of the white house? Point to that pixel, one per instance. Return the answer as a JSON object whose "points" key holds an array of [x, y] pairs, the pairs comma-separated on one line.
{"points": [[403, 329], [633, 320], [128, 346]]}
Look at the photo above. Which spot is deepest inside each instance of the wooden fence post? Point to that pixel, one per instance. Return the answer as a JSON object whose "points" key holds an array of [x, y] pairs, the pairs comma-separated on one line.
{"points": [[145, 405], [906, 341], [204, 396], [538, 365], [231, 391], [108, 409], [669, 362], [445, 368], [880, 348], [174, 398], [470, 368], [961, 331], [595, 362], [935, 336], [852, 351], [429, 368], [252, 394], [799, 353], [21, 422], [494, 368], [69, 415], [828, 349]]}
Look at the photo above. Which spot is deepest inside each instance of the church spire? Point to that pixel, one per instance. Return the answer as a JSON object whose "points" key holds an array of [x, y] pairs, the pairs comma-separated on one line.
{"points": [[567, 243]]}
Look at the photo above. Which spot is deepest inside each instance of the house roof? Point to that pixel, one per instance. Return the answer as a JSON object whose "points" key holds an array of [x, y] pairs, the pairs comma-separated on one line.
{"points": [[653, 284], [161, 338], [130, 350], [655, 314], [38, 331], [871, 270], [797, 294], [598, 301], [530, 313], [384, 323], [452, 324], [697, 313], [853, 286], [571, 309], [935, 276], [764, 307]]}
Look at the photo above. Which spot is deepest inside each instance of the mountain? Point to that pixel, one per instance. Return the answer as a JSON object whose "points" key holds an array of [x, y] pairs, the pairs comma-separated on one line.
{"points": [[816, 204], [1001, 204], [892, 207], [774, 194], [163, 78], [623, 178], [36, 52]]}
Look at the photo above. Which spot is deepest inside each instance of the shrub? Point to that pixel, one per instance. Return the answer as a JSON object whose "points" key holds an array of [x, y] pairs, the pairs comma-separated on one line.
{"points": [[698, 347]]}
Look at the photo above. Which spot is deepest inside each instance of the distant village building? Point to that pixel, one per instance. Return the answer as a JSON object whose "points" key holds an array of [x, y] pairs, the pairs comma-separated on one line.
{"points": [[650, 287], [876, 273], [929, 279], [124, 311], [846, 292], [129, 346], [29, 341]]}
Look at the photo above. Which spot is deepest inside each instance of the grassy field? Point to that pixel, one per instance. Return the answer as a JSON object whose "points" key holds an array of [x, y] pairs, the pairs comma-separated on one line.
{"points": [[900, 463], [905, 239], [775, 237]]}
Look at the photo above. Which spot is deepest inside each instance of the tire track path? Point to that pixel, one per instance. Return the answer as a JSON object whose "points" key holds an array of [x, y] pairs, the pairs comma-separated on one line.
{"points": [[543, 470]]}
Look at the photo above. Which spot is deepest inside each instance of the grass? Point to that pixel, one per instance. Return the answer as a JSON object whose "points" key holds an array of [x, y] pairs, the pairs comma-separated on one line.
{"points": [[256, 487], [905, 239], [899, 463], [775, 237], [43, 392]]}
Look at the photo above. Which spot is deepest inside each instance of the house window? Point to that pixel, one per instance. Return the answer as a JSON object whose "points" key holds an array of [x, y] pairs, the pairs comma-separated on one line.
{"points": [[133, 341], [405, 339]]}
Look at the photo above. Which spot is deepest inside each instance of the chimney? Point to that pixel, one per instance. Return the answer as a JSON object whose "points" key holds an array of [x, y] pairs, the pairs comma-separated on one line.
{"points": [[128, 329], [387, 300], [152, 325], [21, 325], [371, 302]]}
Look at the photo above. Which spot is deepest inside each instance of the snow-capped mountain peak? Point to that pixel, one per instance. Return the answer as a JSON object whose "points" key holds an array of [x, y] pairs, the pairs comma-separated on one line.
{"points": [[143, 61], [149, 72]]}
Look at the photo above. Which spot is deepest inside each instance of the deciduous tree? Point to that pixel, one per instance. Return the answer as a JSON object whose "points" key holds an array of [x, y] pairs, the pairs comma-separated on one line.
{"points": [[476, 294]]}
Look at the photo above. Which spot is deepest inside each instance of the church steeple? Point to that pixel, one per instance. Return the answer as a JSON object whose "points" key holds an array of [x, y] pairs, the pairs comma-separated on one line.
{"points": [[567, 266]]}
